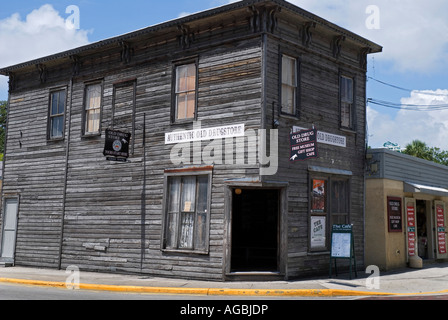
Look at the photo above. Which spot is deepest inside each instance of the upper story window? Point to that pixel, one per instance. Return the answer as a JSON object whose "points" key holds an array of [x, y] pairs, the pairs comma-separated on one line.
{"points": [[56, 122], [185, 92], [289, 85], [92, 116], [347, 102]]}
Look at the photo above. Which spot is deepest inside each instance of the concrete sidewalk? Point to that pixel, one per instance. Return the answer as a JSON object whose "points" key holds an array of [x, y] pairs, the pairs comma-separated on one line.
{"points": [[431, 280]]}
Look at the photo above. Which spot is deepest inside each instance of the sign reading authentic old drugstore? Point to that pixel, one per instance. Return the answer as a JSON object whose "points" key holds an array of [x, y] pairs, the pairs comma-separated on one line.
{"points": [[230, 131], [304, 145], [117, 144]]}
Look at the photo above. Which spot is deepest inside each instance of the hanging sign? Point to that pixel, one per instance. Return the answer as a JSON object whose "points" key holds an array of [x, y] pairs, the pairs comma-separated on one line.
{"points": [[327, 138], [304, 145], [117, 144], [410, 210], [441, 235]]}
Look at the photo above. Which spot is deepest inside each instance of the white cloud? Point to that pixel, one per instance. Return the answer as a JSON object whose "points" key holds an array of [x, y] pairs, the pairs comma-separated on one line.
{"points": [[428, 126], [414, 34], [43, 32]]}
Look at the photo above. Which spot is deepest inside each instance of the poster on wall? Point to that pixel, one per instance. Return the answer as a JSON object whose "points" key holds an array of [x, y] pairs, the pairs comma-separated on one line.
{"points": [[318, 231], [394, 214], [441, 235], [410, 210], [318, 197]]}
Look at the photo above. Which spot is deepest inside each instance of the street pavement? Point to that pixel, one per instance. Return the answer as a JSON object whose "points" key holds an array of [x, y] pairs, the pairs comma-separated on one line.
{"points": [[429, 282]]}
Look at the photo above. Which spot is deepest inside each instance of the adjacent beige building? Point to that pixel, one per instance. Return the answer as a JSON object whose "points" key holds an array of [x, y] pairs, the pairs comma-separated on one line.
{"points": [[406, 219]]}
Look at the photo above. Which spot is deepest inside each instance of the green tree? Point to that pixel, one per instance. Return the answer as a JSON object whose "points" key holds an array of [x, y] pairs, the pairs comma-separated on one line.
{"points": [[420, 150]]}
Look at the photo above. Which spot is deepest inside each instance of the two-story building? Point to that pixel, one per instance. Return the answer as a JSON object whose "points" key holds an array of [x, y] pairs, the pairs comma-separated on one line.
{"points": [[178, 150]]}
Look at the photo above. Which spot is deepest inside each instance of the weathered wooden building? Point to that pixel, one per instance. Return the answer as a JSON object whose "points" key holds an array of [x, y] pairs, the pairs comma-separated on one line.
{"points": [[198, 193]]}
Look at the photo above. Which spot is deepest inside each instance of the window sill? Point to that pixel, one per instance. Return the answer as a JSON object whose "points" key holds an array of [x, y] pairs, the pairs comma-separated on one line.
{"points": [[319, 253], [348, 130], [289, 116], [190, 252], [91, 135], [55, 140]]}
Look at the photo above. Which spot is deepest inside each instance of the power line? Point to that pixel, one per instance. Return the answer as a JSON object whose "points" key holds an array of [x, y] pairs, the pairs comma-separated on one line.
{"points": [[409, 90], [410, 107]]}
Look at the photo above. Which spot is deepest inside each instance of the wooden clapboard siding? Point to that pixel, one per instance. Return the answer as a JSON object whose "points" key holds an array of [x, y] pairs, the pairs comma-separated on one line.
{"points": [[76, 208], [319, 106], [38, 180]]}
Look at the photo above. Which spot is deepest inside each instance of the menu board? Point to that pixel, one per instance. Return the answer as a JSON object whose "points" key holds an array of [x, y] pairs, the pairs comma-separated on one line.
{"points": [[341, 245], [341, 241]]}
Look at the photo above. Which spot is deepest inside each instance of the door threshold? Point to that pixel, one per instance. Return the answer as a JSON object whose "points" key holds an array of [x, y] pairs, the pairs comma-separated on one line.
{"points": [[254, 276]]}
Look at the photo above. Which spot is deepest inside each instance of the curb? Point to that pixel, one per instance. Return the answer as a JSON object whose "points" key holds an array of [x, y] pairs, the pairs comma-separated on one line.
{"points": [[200, 291], [214, 291]]}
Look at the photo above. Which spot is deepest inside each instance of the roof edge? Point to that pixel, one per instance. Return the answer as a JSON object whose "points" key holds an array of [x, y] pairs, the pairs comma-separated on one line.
{"points": [[375, 48]]}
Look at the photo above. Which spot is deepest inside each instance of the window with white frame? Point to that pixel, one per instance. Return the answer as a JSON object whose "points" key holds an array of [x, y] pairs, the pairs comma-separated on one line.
{"points": [[185, 91], [187, 213], [93, 108], [347, 102], [289, 85]]}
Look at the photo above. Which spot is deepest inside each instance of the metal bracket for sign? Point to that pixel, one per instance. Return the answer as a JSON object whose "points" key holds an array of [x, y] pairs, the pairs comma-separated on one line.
{"points": [[342, 247]]}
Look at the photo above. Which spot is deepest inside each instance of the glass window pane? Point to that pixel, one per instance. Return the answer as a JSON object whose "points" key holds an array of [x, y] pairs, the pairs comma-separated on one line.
{"points": [[173, 194], [347, 90], [289, 71], [61, 102], [201, 230], [288, 99], [186, 231], [346, 115], [93, 121], [93, 99], [191, 103], [171, 230], [339, 197], [54, 103], [56, 127], [181, 106], [202, 193], [188, 203]]}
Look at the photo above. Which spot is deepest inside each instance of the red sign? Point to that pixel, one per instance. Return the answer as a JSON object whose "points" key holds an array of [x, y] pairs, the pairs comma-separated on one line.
{"points": [[441, 238], [411, 230]]}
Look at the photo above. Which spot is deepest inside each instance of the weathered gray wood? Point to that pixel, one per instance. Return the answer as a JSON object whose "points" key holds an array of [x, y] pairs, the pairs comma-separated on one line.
{"points": [[112, 218]]}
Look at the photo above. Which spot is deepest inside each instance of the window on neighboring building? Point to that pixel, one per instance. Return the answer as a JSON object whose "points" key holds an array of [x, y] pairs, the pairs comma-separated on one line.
{"points": [[289, 85], [93, 109], [185, 91], [187, 213], [57, 114], [347, 102], [330, 205]]}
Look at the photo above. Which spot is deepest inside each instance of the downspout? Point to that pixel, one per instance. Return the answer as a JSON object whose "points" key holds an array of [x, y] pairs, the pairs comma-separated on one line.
{"points": [[64, 196]]}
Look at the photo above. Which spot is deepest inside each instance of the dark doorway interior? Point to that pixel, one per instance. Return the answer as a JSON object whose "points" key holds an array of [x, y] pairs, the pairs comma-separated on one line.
{"points": [[255, 230]]}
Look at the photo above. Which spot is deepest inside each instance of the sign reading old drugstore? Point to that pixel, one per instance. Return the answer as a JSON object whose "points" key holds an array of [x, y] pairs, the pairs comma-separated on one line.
{"points": [[117, 144], [304, 145]]}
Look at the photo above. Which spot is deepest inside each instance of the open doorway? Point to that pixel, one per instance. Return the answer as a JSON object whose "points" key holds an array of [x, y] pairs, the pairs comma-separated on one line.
{"points": [[422, 229], [255, 225]]}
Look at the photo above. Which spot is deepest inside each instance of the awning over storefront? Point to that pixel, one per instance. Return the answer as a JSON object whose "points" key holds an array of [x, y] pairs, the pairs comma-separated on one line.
{"points": [[419, 188]]}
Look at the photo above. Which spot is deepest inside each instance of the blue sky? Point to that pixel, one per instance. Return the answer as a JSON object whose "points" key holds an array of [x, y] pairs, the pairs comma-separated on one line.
{"points": [[414, 35]]}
